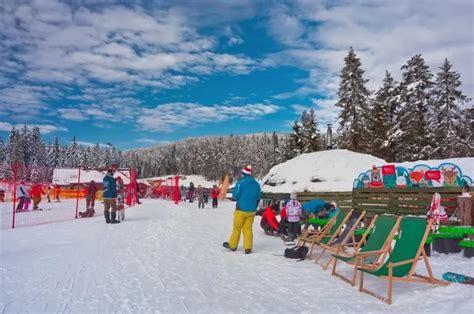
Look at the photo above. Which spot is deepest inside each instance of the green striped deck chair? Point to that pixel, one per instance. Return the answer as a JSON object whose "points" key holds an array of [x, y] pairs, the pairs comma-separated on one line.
{"points": [[401, 263]]}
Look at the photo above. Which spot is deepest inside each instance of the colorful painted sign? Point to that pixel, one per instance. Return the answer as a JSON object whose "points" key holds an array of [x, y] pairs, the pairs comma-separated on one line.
{"points": [[392, 176]]}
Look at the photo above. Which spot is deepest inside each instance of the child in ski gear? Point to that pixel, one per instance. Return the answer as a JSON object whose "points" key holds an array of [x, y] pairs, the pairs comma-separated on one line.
{"points": [[91, 192], [20, 195], [214, 196], [109, 196], [26, 204], [48, 193], [293, 210], [120, 199], [269, 222], [36, 192], [330, 210], [283, 226], [247, 193], [200, 196], [436, 212]]}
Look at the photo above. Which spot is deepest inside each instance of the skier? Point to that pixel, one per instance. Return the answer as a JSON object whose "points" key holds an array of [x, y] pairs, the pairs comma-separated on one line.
{"points": [[214, 196], [109, 196], [36, 192], [246, 192], [21, 194], [200, 196], [120, 199]]}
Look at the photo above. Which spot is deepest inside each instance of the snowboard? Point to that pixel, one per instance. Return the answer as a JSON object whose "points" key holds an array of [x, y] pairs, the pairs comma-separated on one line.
{"points": [[454, 277]]}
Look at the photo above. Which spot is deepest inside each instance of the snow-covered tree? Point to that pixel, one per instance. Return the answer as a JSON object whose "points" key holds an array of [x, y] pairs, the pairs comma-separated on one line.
{"points": [[353, 101], [38, 156], [381, 117], [410, 135], [447, 121], [72, 154], [294, 145], [310, 134]]}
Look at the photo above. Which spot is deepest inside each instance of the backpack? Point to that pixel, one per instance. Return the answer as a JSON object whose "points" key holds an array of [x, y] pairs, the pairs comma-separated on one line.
{"points": [[297, 252]]}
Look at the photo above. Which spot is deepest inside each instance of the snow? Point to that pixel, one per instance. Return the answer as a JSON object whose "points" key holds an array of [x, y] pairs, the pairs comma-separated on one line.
{"points": [[168, 258], [196, 179], [335, 170]]}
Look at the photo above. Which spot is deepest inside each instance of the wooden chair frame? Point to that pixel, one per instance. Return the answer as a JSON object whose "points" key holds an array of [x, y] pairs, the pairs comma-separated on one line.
{"points": [[324, 234], [331, 248], [409, 278], [386, 248], [310, 236]]}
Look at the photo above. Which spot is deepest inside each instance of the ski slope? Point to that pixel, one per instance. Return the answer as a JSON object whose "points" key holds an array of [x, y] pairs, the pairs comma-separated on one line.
{"points": [[169, 258]]}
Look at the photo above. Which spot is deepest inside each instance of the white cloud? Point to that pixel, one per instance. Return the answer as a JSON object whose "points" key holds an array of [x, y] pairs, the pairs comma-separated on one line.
{"points": [[6, 126], [168, 117], [71, 114], [384, 35]]}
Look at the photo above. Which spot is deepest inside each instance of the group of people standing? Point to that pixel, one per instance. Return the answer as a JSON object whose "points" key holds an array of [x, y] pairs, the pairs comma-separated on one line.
{"points": [[26, 194], [201, 194]]}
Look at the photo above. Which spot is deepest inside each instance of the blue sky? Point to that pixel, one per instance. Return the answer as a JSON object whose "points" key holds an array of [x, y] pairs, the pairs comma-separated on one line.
{"points": [[151, 72]]}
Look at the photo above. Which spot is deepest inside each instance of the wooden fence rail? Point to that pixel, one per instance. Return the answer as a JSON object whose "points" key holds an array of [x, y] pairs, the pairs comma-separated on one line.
{"points": [[402, 201]]}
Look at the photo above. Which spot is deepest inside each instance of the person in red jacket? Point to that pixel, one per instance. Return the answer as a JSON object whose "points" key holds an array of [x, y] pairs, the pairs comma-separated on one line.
{"points": [[35, 194], [214, 196], [269, 222]]}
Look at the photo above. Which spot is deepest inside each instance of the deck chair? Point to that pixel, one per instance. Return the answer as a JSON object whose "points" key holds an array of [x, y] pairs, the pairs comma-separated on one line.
{"points": [[330, 232], [381, 230], [331, 245], [401, 263]]}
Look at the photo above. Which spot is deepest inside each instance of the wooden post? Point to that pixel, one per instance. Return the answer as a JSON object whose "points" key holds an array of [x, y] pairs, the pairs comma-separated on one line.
{"points": [[465, 210]]}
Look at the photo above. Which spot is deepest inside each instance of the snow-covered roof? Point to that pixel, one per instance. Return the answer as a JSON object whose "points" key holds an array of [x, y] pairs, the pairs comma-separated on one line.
{"points": [[66, 176], [335, 170], [195, 179]]}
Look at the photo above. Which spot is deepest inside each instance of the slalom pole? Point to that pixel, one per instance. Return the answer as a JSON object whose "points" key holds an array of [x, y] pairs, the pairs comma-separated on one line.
{"points": [[78, 184]]}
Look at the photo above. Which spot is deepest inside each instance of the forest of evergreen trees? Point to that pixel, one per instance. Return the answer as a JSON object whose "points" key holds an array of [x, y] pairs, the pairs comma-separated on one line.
{"points": [[421, 117]]}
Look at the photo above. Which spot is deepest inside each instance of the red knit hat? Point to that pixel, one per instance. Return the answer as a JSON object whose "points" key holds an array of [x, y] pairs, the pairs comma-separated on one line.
{"points": [[247, 170]]}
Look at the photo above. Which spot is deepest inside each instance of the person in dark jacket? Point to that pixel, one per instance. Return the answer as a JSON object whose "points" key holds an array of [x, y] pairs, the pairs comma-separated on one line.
{"points": [[90, 197], [109, 196]]}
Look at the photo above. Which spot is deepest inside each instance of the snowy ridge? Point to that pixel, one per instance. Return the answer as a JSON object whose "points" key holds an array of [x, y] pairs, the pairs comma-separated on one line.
{"points": [[335, 170]]}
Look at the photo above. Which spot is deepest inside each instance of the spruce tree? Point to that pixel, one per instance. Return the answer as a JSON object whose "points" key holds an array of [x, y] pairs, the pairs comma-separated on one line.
{"points": [[353, 101], [447, 120], [410, 135], [311, 138], [381, 117], [294, 145], [72, 154]]}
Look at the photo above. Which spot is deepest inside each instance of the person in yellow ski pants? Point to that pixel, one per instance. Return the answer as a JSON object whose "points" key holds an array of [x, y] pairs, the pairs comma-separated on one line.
{"points": [[243, 222]]}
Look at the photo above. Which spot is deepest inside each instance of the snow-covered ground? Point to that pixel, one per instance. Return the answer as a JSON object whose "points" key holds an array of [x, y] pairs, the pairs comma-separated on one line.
{"points": [[169, 258], [335, 170]]}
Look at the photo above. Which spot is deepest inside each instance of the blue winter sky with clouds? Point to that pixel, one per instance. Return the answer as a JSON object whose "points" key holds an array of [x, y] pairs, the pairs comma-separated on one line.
{"points": [[141, 73]]}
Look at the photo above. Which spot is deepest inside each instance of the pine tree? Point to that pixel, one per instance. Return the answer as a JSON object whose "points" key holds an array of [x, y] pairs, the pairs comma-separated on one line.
{"points": [[410, 135], [38, 157], [311, 137], [381, 117], [72, 154], [55, 153], [468, 115], [353, 101], [447, 118], [294, 145]]}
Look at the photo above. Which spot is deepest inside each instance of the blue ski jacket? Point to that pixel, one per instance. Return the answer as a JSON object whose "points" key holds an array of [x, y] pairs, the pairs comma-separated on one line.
{"points": [[246, 193], [110, 187]]}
